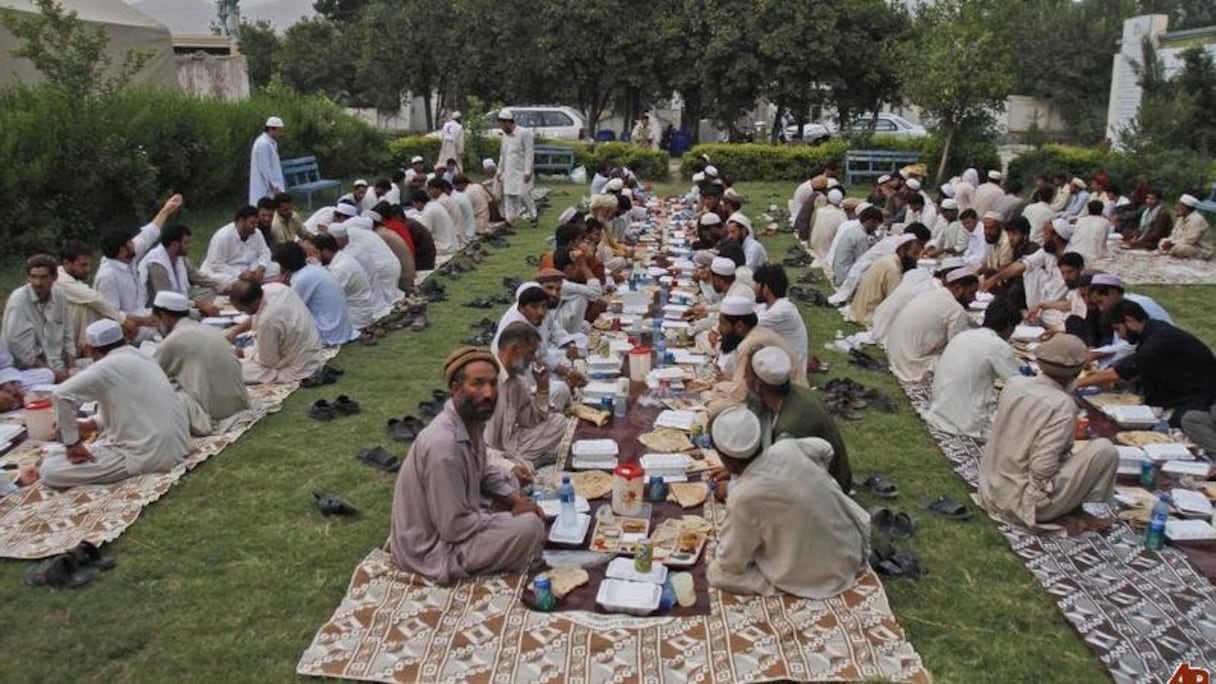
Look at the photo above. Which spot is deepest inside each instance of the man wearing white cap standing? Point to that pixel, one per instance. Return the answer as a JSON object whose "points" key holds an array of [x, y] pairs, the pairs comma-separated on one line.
{"points": [[451, 145], [199, 363], [1186, 240], [1028, 475], [515, 168], [788, 526], [141, 426], [265, 169], [922, 329]]}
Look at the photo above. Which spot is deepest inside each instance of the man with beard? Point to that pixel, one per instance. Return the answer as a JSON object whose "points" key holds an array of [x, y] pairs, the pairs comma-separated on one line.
{"points": [[199, 364], [922, 329], [536, 303], [736, 338], [1153, 225], [776, 312], [1045, 287], [884, 247], [914, 283], [1174, 368], [883, 277], [265, 220], [442, 527], [997, 251], [237, 251], [524, 432], [167, 267], [1028, 474], [709, 231]]}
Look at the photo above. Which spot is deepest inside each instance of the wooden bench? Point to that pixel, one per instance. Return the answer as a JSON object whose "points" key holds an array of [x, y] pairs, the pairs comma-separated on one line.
{"points": [[868, 164], [303, 175], [552, 158]]}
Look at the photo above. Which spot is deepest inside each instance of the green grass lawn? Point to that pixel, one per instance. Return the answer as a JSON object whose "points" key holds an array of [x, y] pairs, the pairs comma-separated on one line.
{"points": [[229, 575]]}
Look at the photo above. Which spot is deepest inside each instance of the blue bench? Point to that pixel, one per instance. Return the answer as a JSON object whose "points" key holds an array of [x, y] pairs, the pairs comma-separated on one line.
{"points": [[1209, 204], [303, 175], [874, 163], [552, 158]]}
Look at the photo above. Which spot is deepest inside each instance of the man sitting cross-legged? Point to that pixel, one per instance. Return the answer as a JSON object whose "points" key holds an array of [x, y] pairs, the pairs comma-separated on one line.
{"points": [[737, 336], [286, 347], [142, 428], [199, 363], [524, 430], [788, 527], [1028, 474], [441, 526]]}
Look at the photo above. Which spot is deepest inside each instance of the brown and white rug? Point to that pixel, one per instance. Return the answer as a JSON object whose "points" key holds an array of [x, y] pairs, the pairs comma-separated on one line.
{"points": [[38, 521], [393, 626], [1142, 612], [1150, 268]]}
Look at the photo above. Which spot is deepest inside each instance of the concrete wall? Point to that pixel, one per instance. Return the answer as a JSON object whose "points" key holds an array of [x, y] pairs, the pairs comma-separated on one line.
{"points": [[206, 75]]}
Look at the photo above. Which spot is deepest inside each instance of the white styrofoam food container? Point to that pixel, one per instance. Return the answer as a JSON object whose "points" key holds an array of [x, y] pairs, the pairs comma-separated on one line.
{"points": [[559, 536], [1138, 417], [551, 507], [595, 448], [622, 569], [633, 598]]}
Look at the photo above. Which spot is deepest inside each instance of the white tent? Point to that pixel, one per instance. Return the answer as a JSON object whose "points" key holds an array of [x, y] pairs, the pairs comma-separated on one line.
{"points": [[126, 27]]}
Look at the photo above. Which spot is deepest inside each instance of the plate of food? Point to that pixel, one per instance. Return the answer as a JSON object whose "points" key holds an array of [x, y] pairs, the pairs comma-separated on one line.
{"points": [[1139, 438], [678, 542], [591, 484], [618, 533]]}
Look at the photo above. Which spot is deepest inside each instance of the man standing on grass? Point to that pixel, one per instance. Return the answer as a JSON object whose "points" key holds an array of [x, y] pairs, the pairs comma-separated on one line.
{"points": [[442, 527], [265, 169], [515, 168]]}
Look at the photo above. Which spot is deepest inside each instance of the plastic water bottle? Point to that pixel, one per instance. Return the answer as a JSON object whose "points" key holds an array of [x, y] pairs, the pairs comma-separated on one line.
{"points": [[618, 407], [661, 348], [567, 516], [664, 294], [1155, 538]]}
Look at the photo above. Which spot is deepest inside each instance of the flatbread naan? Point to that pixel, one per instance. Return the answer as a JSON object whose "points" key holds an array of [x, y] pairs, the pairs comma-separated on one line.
{"points": [[1104, 399], [1142, 437], [591, 415], [564, 579], [591, 484], [666, 441], [688, 494]]}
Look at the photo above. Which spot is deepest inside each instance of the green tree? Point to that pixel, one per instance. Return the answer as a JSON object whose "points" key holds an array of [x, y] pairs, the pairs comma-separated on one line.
{"points": [[872, 39], [260, 45], [732, 71], [959, 73], [1184, 14], [796, 40], [69, 56], [340, 11], [314, 58]]}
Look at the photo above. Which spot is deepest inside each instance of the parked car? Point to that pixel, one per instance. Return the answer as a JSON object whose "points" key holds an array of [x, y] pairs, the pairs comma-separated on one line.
{"points": [[813, 133], [549, 121], [887, 124]]}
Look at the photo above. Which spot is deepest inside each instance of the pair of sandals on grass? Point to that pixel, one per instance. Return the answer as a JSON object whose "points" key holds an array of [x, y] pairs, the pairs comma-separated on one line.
{"points": [[889, 529], [70, 570]]}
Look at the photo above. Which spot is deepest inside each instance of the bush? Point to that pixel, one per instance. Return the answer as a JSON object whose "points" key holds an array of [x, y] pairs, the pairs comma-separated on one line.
{"points": [[88, 168], [647, 164], [1172, 172], [763, 162]]}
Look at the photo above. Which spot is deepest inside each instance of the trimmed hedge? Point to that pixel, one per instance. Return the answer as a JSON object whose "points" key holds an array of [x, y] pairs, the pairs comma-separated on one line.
{"points": [[79, 170], [647, 164], [764, 162], [1172, 172]]}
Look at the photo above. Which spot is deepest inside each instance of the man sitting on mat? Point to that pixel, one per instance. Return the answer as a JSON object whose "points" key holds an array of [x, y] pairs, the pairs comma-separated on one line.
{"points": [[523, 432], [789, 527], [1028, 474], [441, 527]]}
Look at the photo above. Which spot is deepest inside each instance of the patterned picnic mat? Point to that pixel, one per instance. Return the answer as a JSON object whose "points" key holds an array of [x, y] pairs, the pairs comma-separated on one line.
{"points": [[39, 521], [394, 626], [1142, 612], [1150, 268]]}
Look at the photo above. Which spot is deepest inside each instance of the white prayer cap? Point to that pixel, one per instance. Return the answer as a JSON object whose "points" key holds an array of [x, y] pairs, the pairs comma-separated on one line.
{"points": [[949, 203], [627, 193], [614, 185], [948, 189], [772, 366], [884, 178], [835, 197], [505, 114], [171, 301], [360, 183], [703, 257], [1107, 279], [722, 266], [862, 206], [273, 271], [456, 114], [417, 159], [711, 171], [346, 209], [737, 306], [1189, 200], [1077, 181], [1062, 228], [103, 333], [698, 177], [567, 215], [488, 163], [736, 432], [913, 184], [951, 263], [995, 216], [338, 230], [274, 122], [833, 183], [730, 192], [710, 218], [519, 291], [740, 218], [903, 239], [960, 274], [995, 175]]}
